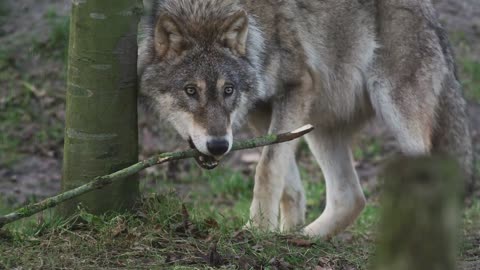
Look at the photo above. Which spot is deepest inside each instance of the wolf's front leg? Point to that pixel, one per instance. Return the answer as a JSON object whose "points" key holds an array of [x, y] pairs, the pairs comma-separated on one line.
{"points": [[293, 203], [277, 181], [345, 199], [270, 176]]}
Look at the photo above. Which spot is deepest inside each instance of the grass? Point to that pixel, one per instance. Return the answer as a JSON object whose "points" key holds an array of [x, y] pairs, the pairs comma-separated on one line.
{"points": [[29, 122], [469, 67], [4, 10], [26, 121], [370, 148], [162, 234], [200, 229], [471, 78], [56, 45]]}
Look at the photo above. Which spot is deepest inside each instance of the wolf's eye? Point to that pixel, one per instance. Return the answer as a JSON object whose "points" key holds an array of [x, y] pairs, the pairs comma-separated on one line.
{"points": [[190, 90], [229, 90]]}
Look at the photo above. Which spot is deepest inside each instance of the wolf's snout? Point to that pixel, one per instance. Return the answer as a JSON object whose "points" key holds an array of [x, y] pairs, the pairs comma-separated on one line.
{"points": [[218, 147]]}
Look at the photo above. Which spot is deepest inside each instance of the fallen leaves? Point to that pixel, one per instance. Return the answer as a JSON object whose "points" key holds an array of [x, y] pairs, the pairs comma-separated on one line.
{"points": [[214, 258], [300, 242], [119, 229], [279, 264]]}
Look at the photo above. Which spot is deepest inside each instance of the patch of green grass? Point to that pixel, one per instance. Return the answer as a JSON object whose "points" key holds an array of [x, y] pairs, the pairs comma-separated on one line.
{"points": [[57, 43], [315, 189], [4, 11], [229, 184], [25, 122], [458, 37], [164, 234], [471, 78], [471, 228], [472, 215], [5, 59], [55, 132], [201, 230], [367, 221], [477, 167], [15, 111], [368, 149]]}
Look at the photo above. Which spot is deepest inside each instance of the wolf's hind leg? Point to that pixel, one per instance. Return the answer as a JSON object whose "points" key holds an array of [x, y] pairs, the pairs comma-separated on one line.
{"points": [[409, 121], [345, 199]]}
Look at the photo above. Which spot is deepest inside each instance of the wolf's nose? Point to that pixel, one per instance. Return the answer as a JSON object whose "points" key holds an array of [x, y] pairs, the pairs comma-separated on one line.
{"points": [[217, 147]]}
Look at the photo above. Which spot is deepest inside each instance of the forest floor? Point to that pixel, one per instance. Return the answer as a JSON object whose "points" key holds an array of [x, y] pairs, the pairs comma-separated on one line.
{"points": [[34, 37]]}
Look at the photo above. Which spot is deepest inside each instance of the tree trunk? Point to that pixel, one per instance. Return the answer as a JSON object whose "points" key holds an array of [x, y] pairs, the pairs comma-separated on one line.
{"points": [[420, 215], [101, 134]]}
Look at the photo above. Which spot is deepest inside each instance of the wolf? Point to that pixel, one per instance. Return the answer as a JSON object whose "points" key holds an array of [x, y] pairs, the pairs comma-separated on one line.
{"points": [[209, 65]]}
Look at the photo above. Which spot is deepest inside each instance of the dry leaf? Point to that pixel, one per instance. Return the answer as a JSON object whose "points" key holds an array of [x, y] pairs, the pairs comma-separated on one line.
{"points": [[119, 229], [298, 242], [211, 223], [213, 257]]}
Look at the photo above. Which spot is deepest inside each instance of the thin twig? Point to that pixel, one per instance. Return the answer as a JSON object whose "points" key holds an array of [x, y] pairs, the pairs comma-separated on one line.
{"points": [[102, 181]]}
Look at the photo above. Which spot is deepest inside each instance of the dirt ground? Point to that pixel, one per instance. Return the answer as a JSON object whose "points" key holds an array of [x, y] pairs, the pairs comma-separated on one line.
{"points": [[34, 171]]}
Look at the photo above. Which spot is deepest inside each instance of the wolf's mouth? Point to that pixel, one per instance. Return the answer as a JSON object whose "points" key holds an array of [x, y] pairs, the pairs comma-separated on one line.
{"points": [[204, 161]]}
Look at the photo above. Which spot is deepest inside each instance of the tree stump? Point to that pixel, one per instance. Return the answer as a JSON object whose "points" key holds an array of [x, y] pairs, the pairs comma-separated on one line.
{"points": [[420, 215]]}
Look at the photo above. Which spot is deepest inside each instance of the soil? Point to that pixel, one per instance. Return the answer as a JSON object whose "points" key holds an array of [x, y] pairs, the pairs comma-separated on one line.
{"points": [[37, 174]]}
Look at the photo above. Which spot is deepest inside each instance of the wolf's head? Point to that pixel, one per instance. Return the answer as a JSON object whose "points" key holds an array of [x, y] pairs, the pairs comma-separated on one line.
{"points": [[200, 70]]}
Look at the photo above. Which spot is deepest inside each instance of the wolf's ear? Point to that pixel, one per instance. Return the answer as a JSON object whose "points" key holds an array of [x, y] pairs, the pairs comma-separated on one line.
{"points": [[235, 31], [169, 41]]}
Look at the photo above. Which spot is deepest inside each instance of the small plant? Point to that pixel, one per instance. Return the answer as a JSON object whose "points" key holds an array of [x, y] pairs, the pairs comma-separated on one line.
{"points": [[57, 43], [229, 184], [4, 10], [368, 149], [471, 80]]}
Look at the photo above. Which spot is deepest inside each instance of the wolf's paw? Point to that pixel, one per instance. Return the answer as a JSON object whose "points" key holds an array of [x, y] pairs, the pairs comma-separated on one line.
{"points": [[255, 226], [248, 226], [291, 221], [315, 232], [332, 222]]}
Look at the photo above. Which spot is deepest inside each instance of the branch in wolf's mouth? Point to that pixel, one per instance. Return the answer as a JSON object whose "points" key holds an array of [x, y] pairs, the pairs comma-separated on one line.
{"points": [[105, 180]]}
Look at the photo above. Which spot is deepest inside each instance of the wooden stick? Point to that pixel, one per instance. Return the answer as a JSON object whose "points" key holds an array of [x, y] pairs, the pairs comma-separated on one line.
{"points": [[102, 181]]}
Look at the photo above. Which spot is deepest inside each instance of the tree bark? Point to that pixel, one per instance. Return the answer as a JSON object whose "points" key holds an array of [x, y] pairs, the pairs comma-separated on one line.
{"points": [[101, 134], [420, 216]]}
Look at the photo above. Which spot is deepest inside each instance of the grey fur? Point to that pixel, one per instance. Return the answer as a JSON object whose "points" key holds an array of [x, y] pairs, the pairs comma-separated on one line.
{"points": [[333, 63]]}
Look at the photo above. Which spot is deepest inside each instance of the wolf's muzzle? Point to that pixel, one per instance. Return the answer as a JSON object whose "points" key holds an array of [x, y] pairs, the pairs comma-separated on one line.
{"points": [[204, 161], [218, 147]]}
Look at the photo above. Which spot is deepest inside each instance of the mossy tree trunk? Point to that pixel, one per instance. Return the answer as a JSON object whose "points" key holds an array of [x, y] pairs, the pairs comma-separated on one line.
{"points": [[421, 214], [101, 134]]}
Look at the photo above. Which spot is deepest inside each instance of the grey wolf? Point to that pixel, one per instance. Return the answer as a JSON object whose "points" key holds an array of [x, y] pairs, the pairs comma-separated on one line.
{"points": [[208, 65]]}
